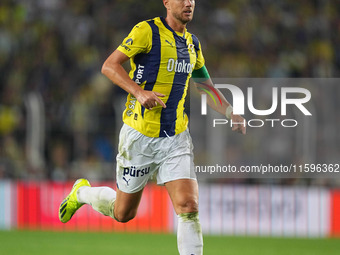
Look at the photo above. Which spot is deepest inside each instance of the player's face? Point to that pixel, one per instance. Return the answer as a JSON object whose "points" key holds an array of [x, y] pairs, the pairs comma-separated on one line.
{"points": [[182, 10]]}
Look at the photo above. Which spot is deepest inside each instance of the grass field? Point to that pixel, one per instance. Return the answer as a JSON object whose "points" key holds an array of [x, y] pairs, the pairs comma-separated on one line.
{"points": [[53, 243]]}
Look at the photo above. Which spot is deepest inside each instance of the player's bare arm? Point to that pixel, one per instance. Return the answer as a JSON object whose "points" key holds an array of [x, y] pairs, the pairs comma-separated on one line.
{"points": [[223, 108], [113, 69]]}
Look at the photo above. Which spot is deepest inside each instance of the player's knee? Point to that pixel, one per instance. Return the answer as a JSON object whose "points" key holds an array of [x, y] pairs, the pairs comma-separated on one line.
{"points": [[124, 217], [187, 205]]}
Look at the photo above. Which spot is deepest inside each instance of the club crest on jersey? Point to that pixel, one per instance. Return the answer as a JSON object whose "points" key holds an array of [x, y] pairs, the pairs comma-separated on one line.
{"points": [[179, 66], [191, 47]]}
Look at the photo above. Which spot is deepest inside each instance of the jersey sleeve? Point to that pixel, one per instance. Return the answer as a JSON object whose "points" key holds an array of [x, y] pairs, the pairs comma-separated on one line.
{"points": [[138, 41]]}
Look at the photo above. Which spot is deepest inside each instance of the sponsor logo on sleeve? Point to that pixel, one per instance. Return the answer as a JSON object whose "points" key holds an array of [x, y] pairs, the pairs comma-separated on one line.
{"points": [[127, 43]]}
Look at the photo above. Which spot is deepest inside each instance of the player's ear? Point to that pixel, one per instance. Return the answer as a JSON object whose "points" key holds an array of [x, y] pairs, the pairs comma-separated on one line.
{"points": [[166, 4]]}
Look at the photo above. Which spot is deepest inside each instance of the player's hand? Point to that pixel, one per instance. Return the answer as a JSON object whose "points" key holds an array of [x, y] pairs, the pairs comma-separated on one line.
{"points": [[240, 124], [150, 99]]}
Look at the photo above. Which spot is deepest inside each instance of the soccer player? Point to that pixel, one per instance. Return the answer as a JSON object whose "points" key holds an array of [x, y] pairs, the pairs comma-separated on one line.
{"points": [[155, 137]]}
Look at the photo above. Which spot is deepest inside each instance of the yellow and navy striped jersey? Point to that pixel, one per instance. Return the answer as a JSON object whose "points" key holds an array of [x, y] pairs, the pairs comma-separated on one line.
{"points": [[162, 60]]}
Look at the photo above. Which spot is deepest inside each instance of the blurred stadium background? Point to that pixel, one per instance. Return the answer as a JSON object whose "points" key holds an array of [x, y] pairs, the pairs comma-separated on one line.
{"points": [[59, 117]]}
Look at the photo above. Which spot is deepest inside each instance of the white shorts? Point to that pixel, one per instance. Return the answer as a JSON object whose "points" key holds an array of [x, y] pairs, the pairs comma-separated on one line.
{"points": [[140, 158]]}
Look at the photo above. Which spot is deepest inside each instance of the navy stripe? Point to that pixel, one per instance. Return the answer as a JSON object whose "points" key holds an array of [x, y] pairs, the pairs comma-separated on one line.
{"points": [[141, 59], [152, 59], [169, 114], [196, 43], [166, 25]]}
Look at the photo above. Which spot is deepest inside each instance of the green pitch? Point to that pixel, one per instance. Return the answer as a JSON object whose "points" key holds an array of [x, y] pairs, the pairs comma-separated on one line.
{"points": [[53, 243]]}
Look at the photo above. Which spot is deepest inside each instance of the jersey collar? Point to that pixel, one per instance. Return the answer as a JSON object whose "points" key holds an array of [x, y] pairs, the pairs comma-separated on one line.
{"points": [[168, 27]]}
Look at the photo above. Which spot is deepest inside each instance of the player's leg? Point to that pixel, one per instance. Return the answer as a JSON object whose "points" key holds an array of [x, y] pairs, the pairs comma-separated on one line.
{"points": [[177, 173], [134, 168], [126, 205], [118, 205], [184, 197], [132, 173], [100, 198]]}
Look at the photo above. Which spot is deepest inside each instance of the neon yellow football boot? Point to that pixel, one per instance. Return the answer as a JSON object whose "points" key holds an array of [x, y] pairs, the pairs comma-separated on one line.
{"points": [[70, 204]]}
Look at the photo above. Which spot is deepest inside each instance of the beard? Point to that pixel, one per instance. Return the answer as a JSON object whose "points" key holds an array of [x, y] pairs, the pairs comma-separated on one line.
{"points": [[183, 19]]}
